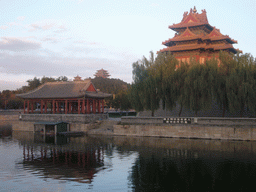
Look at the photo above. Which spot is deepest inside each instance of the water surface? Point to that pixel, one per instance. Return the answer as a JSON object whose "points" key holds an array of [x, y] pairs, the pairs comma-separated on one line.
{"points": [[31, 162]]}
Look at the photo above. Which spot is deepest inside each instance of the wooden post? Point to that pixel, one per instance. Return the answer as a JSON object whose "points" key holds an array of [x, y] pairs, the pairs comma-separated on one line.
{"points": [[45, 106], [83, 106], [28, 106], [78, 106], [102, 106], [93, 106], [24, 106], [66, 106], [88, 106], [53, 105], [69, 109], [32, 106], [42, 105], [57, 106], [98, 106]]}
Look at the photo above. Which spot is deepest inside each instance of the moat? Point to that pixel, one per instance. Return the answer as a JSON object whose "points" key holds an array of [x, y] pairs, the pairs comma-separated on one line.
{"points": [[32, 162]]}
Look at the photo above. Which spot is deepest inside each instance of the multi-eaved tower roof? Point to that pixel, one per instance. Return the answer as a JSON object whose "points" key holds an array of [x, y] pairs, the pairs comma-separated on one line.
{"points": [[195, 37]]}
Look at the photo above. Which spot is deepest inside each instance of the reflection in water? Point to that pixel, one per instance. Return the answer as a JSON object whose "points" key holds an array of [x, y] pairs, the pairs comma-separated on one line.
{"points": [[133, 163], [188, 170], [62, 162]]}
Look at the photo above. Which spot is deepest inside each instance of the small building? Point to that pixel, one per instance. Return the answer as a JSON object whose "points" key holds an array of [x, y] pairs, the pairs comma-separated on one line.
{"points": [[195, 37], [51, 128], [102, 73], [68, 97]]}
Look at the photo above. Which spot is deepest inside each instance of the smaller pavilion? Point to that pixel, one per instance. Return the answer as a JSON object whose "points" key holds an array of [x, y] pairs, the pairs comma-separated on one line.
{"points": [[70, 97]]}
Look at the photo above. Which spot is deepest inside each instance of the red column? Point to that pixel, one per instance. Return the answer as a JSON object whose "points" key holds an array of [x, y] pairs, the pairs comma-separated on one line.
{"points": [[102, 105], [24, 106], [98, 106], [45, 106], [53, 105], [32, 107], [88, 106], [83, 106], [66, 106], [78, 106], [57, 106], [28, 106], [94, 106], [69, 109], [42, 105]]}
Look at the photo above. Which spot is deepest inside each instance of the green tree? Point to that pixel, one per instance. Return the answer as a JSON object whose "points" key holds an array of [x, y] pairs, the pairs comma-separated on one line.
{"points": [[145, 85], [163, 71], [198, 87], [33, 83], [240, 84]]}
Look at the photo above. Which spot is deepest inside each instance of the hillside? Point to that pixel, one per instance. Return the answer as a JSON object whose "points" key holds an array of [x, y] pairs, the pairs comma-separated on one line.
{"points": [[107, 85]]}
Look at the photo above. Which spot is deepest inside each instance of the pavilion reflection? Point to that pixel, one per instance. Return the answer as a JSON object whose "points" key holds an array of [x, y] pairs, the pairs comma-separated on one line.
{"points": [[62, 161]]}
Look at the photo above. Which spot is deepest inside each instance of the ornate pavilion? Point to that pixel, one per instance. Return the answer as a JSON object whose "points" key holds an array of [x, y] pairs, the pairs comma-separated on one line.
{"points": [[102, 73], [195, 37], [78, 96]]}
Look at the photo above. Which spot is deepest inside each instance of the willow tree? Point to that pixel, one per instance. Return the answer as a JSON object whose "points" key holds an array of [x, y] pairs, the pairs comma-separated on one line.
{"points": [[241, 84], [144, 95], [163, 71], [226, 64], [197, 87]]}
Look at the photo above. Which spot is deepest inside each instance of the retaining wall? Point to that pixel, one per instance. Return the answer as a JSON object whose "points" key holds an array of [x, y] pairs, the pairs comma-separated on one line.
{"points": [[188, 131], [29, 126], [69, 118]]}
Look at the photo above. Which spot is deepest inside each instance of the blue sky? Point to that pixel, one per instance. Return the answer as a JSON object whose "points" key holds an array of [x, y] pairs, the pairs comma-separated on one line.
{"points": [[78, 37]]}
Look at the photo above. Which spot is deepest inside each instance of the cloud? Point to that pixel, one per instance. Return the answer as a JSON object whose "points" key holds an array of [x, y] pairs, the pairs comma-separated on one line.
{"points": [[3, 27], [18, 44], [47, 25], [21, 18]]}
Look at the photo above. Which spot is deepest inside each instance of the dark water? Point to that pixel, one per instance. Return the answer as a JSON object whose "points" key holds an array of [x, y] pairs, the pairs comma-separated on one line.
{"points": [[31, 162]]}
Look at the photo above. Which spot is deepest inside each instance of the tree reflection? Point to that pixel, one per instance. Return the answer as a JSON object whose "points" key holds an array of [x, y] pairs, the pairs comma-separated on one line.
{"points": [[155, 173]]}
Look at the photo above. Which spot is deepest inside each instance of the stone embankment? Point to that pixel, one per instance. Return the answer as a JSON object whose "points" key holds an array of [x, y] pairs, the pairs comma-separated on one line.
{"points": [[200, 128]]}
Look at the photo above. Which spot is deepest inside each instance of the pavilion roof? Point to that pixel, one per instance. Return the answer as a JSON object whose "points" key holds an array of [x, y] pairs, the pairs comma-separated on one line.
{"points": [[187, 47], [63, 90], [192, 19], [187, 35]]}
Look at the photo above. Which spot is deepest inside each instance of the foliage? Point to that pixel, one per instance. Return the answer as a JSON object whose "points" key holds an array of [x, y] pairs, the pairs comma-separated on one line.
{"points": [[230, 80], [144, 93]]}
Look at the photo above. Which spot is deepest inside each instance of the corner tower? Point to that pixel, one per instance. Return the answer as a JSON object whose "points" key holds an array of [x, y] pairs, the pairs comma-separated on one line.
{"points": [[195, 37]]}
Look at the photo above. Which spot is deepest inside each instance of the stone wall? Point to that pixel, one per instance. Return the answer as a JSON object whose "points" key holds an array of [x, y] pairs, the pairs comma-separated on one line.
{"points": [[29, 126], [9, 117], [194, 120], [188, 131], [69, 118]]}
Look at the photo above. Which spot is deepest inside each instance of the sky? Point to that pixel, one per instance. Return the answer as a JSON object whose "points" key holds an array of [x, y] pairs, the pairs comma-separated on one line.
{"points": [[55, 38]]}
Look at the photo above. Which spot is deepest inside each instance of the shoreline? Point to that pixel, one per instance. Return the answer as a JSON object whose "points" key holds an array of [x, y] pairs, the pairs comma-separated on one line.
{"points": [[243, 129]]}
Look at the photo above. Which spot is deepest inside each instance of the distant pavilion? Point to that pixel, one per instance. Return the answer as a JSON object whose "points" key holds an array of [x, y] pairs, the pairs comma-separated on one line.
{"points": [[78, 96], [102, 73]]}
